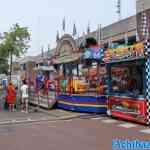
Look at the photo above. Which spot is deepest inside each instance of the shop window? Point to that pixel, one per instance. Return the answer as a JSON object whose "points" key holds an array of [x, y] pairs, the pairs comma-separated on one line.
{"points": [[128, 78]]}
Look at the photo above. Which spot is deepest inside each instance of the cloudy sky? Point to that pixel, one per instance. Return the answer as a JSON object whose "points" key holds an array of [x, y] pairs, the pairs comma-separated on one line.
{"points": [[44, 17]]}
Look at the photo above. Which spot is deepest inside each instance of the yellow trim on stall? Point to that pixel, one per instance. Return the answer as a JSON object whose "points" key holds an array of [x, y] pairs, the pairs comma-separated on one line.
{"points": [[84, 105]]}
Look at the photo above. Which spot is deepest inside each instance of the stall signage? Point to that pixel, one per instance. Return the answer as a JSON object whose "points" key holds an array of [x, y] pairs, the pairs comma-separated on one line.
{"points": [[93, 53], [126, 52], [128, 108]]}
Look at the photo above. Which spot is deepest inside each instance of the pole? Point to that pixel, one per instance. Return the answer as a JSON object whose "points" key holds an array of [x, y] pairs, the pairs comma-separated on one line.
{"points": [[10, 64]]}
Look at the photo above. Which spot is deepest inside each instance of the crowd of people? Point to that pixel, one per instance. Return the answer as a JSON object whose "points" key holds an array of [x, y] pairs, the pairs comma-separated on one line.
{"points": [[11, 97]]}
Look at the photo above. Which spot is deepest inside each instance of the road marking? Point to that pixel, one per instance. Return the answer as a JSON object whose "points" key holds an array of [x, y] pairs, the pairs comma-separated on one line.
{"points": [[127, 125], [5, 122], [13, 121], [20, 121], [66, 117], [96, 118], [68, 120], [147, 131], [29, 119], [109, 121], [53, 121]]}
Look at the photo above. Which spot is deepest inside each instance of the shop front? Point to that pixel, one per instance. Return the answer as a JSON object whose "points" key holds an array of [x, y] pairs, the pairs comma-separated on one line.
{"points": [[127, 83]]}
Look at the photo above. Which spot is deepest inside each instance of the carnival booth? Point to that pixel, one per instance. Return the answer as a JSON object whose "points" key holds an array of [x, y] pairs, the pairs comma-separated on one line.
{"points": [[43, 91], [126, 67], [82, 85]]}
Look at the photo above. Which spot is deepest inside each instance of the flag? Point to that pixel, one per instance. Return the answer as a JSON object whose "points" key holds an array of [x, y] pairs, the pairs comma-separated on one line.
{"points": [[88, 28], [64, 24], [74, 30], [57, 36]]}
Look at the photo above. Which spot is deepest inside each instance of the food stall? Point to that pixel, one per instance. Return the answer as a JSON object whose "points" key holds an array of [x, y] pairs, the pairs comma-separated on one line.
{"points": [[42, 93], [82, 82], [126, 67]]}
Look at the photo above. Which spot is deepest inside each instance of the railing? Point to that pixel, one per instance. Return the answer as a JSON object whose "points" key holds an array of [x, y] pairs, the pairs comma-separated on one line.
{"points": [[41, 99]]}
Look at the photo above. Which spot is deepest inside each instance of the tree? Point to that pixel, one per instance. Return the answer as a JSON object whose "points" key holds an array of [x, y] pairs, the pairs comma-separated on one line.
{"points": [[14, 43], [91, 41], [3, 66], [3, 59]]}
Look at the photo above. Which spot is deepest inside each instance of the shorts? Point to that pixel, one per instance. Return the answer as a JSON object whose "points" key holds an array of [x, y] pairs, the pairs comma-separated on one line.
{"points": [[24, 100]]}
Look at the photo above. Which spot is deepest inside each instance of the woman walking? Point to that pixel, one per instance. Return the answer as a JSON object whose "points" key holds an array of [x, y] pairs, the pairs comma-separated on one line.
{"points": [[11, 97]]}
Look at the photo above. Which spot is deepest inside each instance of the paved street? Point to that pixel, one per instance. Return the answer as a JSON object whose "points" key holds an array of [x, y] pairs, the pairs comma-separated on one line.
{"points": [[33, 116], [84, 133]]}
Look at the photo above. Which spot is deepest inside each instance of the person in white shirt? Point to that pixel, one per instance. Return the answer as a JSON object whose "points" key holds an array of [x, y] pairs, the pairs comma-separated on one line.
{"points": [[24, 97]]}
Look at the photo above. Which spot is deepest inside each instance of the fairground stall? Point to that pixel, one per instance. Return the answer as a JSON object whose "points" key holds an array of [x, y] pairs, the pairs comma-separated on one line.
{"points": [[42, 93], [126, 67], [82, 78]]}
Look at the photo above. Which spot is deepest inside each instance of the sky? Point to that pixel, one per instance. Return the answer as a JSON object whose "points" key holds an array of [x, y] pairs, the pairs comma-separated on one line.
{"points": [[44, 17]]}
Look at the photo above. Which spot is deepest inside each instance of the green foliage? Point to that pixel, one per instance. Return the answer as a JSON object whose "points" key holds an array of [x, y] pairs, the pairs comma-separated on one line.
{"points": [[3, 66], [15, 41]]}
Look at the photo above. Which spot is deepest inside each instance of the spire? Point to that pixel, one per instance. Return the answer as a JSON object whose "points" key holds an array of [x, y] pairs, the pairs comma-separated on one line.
{"points": [[42, 51], [88, 28], [49, 49], [74, 30], [57, 36], [83, 39], [64, 24]]}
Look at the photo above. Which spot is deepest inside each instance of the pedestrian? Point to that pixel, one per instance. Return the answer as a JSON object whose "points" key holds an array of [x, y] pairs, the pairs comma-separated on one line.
{"points": [[11, 97], [24, 97]]}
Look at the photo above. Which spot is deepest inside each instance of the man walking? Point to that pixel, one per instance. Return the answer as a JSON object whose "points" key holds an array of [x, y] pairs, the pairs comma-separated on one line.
{"points": [[25, 95]]}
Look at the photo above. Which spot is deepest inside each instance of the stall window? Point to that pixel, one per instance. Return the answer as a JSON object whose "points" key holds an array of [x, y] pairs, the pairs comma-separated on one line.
{"points": [[128, 78]]}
